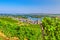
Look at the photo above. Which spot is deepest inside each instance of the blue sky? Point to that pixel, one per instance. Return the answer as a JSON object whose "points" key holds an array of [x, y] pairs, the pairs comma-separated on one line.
{"points": [[29, 6]]}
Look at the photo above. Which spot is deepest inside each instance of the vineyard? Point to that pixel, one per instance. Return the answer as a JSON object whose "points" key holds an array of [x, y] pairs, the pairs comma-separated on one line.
{"points": [[23, 31], [11, 29]]}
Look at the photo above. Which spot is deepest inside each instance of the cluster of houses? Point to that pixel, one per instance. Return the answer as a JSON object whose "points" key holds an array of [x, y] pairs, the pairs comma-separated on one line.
{"points": [[29, 21]]}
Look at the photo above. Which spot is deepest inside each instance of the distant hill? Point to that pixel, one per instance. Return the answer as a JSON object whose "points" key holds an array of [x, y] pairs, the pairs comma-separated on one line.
{"points": [[28, 14]]}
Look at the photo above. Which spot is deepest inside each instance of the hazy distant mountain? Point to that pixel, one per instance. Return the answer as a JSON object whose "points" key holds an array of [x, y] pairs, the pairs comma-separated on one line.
{"points": [[44, 14], [28, 14]]}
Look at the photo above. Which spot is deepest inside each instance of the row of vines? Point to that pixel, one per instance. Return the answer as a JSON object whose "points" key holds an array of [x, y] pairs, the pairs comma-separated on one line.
{"points": [[51, 26]]}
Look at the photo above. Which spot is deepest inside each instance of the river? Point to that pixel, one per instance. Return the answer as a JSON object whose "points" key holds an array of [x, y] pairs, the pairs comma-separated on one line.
{"points": [[34, 19]]}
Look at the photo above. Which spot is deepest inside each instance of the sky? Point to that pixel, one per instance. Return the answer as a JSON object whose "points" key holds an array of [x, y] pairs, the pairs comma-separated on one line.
{"points": [[29, 6]]}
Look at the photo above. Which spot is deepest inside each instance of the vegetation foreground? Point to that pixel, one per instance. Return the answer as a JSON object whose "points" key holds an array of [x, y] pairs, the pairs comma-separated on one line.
{"points": [[11, 29]]}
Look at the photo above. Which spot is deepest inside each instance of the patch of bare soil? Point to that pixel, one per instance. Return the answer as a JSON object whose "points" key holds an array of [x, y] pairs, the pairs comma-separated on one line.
{"points": [[4, 37], [14, 38]]}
